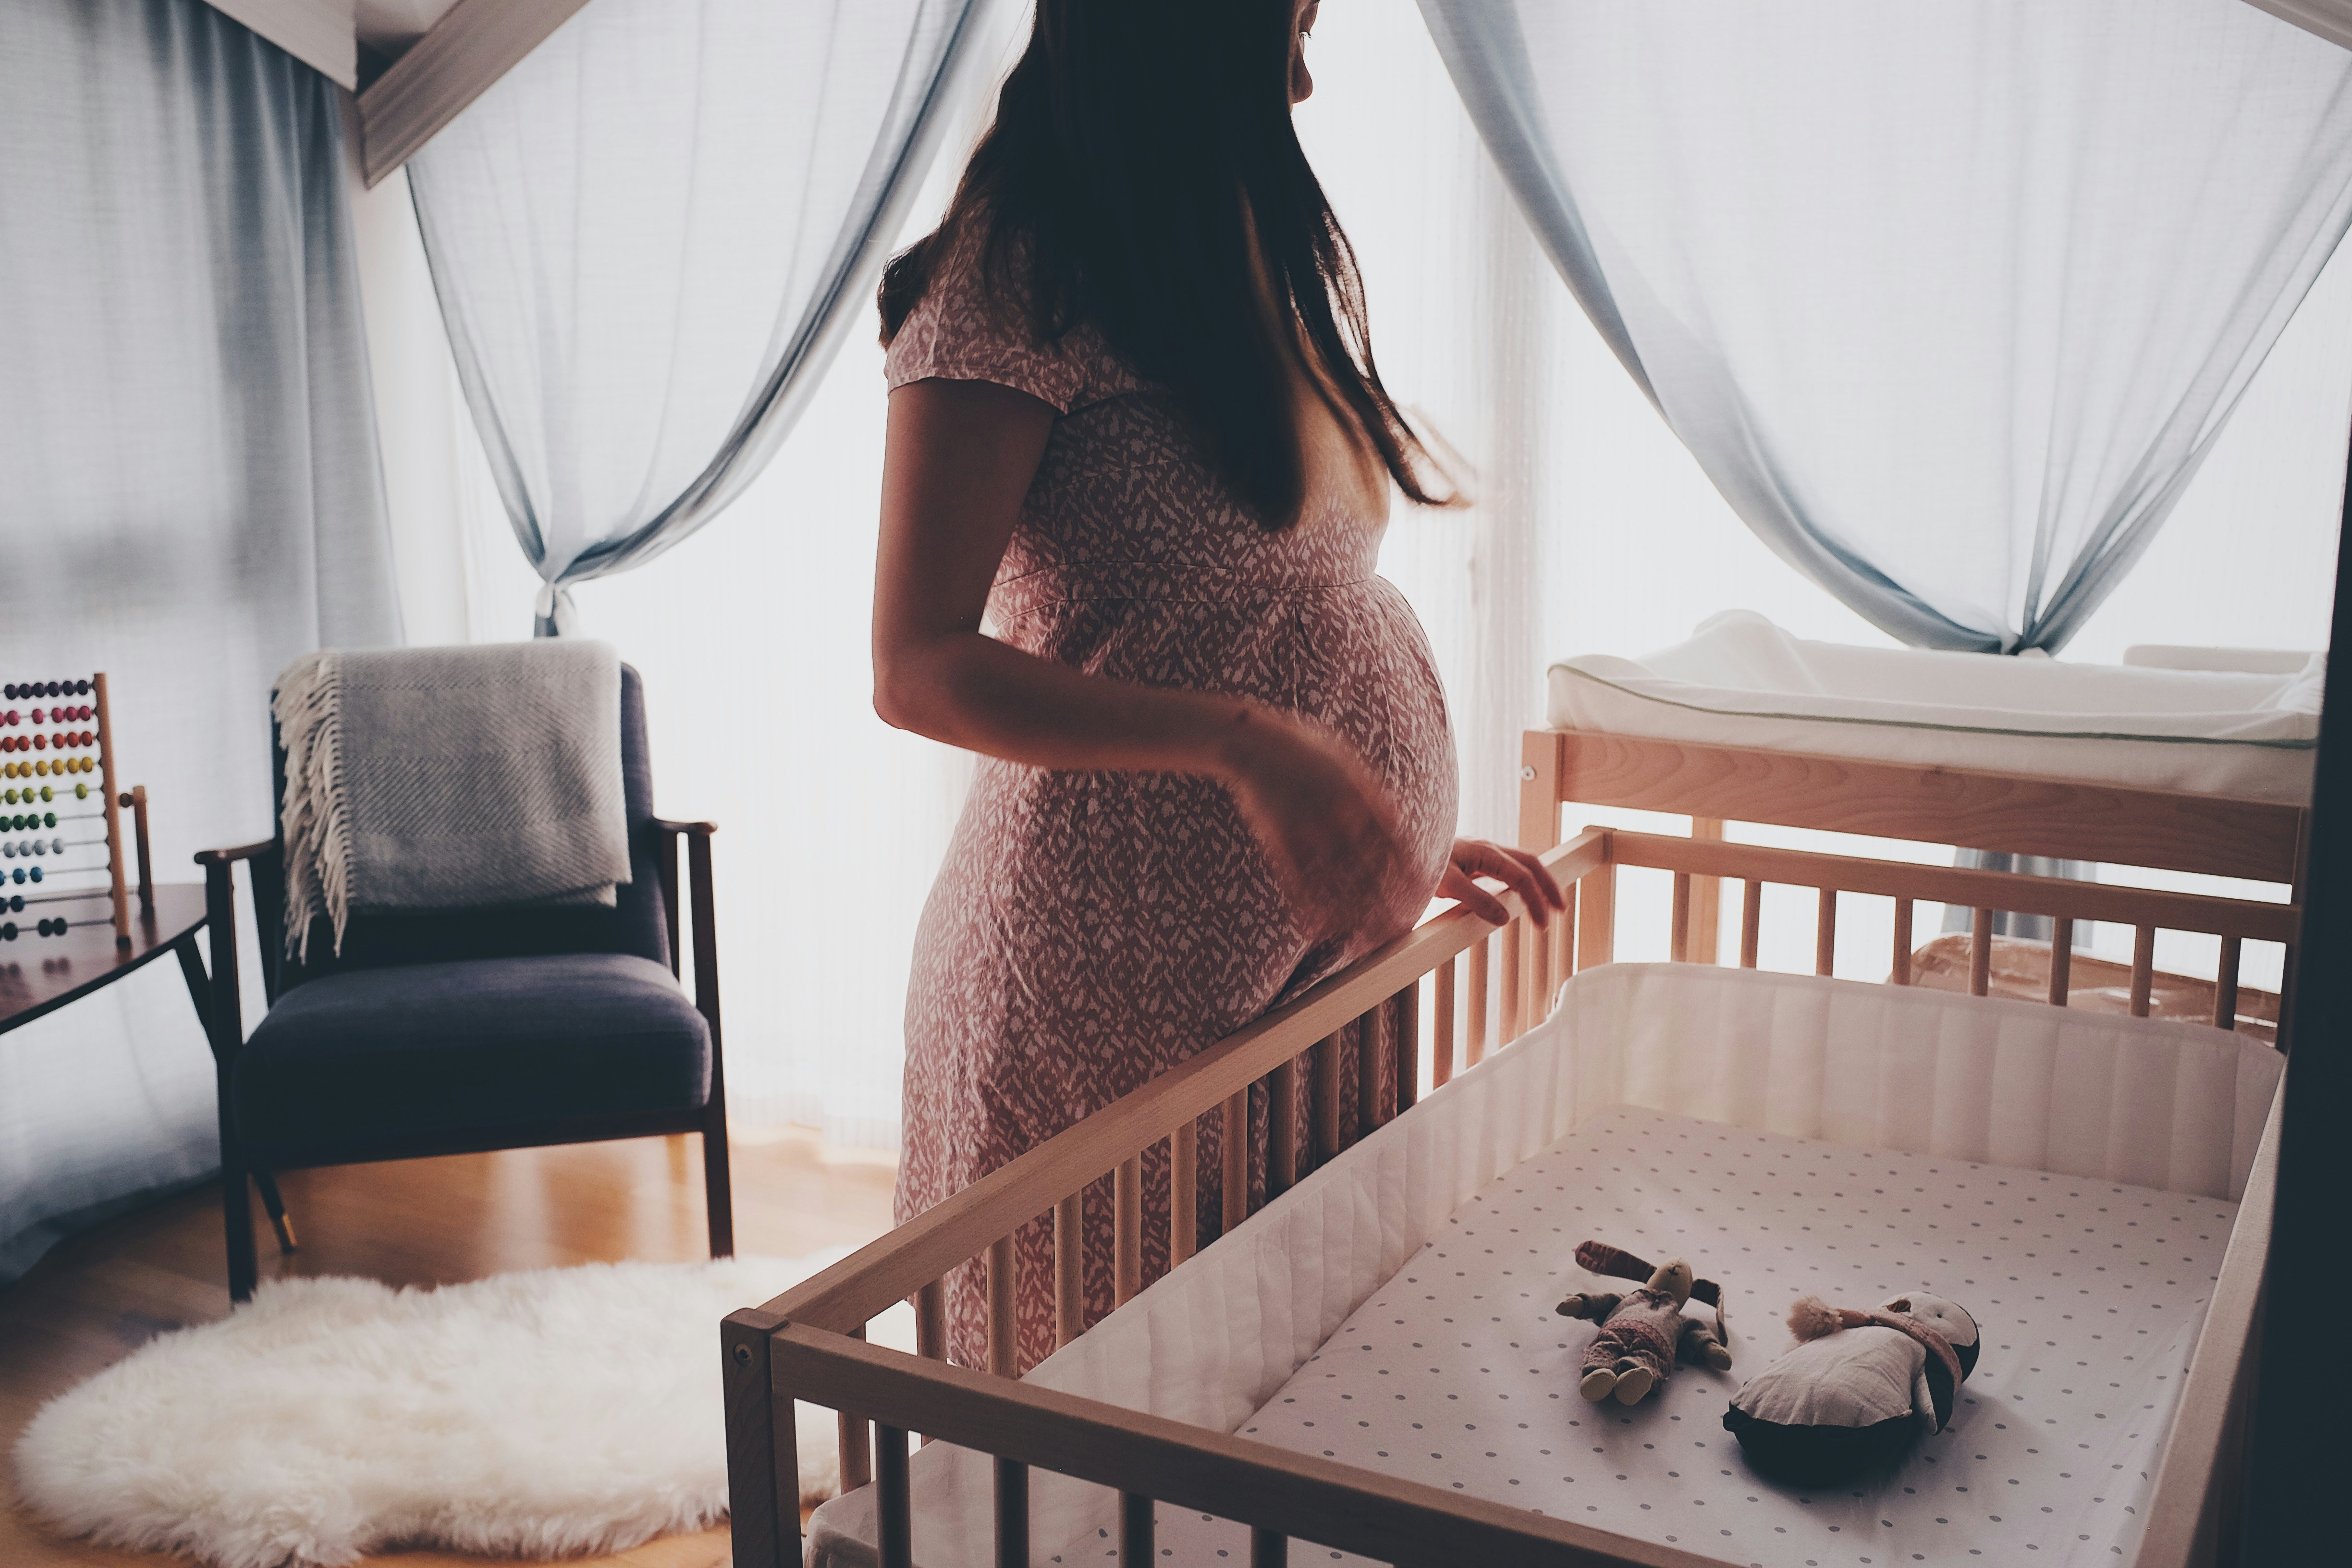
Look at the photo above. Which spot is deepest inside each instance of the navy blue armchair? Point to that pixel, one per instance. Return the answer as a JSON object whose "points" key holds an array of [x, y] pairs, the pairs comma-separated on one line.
{"points": [[457, 1032]]}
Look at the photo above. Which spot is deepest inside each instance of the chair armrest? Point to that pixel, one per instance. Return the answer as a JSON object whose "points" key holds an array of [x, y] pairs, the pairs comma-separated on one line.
{"points": [[699, 830], [230, 856]]}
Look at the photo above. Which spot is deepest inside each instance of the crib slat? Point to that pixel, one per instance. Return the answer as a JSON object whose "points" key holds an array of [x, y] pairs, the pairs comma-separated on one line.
{"points": [[1980, 954], [931, 1321], [850, 1435], [1751, 920], [1127, 1230], [2143, 980], [2062, 959], [1234, 1132], [894, 1521], [1540, 980], [1269, 1549], [1825, 934], [1563, 925], [1511, 983], [1473, 1049], [1369, 1033], [1135, 1528], [1678, 942], [1069, 1277], [1012, 1514], [2225, 985], [1184, 1193], [1325, 1070], [1404, 1039], [1003, 1329], [1282, 1129], [1900, 975], [1441, 1045], [1596, 902]]}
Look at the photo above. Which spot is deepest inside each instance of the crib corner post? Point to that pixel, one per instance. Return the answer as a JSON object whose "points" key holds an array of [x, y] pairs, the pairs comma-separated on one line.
{"points": [[763, 1453]]}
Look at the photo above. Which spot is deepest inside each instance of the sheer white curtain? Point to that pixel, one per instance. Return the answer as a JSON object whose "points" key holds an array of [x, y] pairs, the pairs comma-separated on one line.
{"points": [[192, 499], [649, 239], [1949, 301], [1593, 529]]}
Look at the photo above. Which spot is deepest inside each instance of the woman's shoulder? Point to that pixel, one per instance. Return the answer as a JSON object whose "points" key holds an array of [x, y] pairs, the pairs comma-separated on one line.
{"points": [[975, 322]]}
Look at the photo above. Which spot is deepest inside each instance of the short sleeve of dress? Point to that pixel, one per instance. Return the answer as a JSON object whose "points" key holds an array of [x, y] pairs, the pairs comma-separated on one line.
{"points": [[965, 330]]}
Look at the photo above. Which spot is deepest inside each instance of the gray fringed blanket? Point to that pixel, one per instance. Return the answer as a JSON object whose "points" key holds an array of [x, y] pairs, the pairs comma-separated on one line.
{"points": [[445, 778]]}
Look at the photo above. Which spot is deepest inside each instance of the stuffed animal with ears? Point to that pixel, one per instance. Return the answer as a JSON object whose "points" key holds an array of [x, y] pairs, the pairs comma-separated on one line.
{"points": [[1858, 1389], [1644, 1331]]}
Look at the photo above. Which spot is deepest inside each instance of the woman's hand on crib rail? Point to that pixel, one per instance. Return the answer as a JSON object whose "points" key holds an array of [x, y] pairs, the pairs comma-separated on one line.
{"points": [[1516, 869]]}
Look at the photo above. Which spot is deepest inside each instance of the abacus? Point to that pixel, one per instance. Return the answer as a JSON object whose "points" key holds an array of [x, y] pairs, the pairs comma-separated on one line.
{"points": [[72, 739]]}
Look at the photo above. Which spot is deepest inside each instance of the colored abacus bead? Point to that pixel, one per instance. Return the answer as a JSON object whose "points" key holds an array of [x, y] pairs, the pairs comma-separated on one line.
{"points": [[8, 932], [34, 873]]}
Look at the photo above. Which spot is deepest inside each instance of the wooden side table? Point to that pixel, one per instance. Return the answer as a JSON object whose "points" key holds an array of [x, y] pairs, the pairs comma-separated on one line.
{"points": [[39, 974]]}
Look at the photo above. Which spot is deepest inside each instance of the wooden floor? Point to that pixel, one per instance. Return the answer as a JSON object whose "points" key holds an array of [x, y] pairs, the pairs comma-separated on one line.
{"points": [[102, 1294]]}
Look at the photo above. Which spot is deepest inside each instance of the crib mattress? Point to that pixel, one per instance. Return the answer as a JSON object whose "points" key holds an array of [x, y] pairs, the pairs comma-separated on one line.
{"points": [[1740, 680], [2089, 1296]]}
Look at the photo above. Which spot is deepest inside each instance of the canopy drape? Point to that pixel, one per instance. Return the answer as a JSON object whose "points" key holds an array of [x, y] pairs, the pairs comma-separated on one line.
{"points": [[1949, 302], [649, 239], [192, 499]]}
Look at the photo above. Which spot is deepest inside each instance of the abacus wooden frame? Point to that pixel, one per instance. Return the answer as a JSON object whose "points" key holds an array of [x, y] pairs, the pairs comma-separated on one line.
{"points": [[225, 1030], [808, 1343]]}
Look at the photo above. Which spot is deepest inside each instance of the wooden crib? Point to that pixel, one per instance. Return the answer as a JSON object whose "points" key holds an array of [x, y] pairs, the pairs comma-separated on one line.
{"points": [[1486, 984]]}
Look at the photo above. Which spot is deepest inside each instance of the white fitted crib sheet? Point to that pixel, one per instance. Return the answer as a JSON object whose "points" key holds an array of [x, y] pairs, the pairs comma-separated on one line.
{"points": [[1740, 680], [1862, 1079], [1457, 1371]]}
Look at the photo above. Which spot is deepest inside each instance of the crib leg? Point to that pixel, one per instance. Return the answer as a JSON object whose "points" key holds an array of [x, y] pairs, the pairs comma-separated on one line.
{"points": [[1012, 1514]]}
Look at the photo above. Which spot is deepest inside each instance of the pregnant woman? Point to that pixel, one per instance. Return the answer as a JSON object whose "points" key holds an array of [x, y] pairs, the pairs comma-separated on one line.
{"points": [[1138, 469]]}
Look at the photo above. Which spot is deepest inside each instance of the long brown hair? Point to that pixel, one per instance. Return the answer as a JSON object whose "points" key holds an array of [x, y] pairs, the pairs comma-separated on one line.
{"points": [[1141, 150]]}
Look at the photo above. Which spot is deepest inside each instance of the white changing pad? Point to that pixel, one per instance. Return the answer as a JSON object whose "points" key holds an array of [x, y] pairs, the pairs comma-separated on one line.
{"points": [[1457, 1371], [1740, 680]]}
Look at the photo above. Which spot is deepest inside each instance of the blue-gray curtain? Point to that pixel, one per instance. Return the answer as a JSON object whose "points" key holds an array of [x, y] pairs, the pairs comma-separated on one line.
{"points": [[190, 496], [649, 239], [1950, 301]]}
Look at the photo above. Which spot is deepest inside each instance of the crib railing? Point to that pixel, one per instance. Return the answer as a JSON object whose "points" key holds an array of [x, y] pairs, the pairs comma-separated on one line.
{"points": [[1487, 985]]}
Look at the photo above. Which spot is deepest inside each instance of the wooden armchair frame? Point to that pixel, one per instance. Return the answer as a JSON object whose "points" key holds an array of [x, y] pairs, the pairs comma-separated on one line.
{"points": [[809, 1343], [225, 1026]]}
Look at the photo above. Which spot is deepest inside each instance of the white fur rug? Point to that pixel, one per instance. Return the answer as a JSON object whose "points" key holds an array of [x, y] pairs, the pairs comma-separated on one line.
{"points": [[542, 1414]]}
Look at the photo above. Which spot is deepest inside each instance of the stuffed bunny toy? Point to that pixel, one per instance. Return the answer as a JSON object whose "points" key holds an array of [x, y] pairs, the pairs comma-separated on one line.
{"points": [[1644, 1331], [1858, 1389]]}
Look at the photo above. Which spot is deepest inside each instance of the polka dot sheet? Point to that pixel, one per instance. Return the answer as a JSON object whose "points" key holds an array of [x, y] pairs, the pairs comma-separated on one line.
{"points": [[1458, 1374]]}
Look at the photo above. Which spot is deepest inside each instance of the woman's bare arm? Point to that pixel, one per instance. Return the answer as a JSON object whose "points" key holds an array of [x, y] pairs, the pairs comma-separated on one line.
{"points": [[960, 457]]}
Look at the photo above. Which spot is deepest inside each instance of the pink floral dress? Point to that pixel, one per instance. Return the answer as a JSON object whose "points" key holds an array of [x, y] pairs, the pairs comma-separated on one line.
{"points": [[1090, 930]]}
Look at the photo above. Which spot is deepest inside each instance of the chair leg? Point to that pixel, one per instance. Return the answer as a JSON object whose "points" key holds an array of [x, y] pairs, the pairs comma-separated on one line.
{"points": [[236, 1213], [275, 1208], [717, 1191]]}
